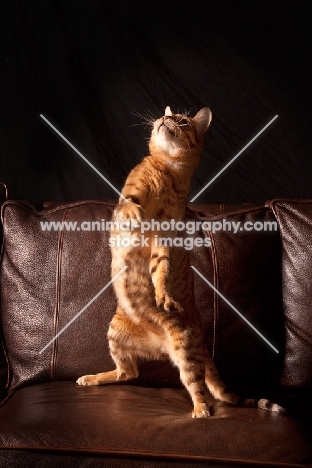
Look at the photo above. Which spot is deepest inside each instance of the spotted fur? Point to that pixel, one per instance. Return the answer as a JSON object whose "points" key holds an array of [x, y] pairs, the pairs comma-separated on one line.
{"points": [[156, 316]]}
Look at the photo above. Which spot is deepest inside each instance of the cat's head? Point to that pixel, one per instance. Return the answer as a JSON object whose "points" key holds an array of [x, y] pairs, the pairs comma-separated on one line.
{"points": [[179, 136]]}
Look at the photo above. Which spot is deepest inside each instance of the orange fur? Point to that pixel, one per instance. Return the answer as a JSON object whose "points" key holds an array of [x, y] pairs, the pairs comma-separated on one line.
{"points": [[156, 316]]}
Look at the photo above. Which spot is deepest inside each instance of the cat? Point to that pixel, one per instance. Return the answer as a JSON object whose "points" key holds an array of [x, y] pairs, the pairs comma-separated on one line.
{"points": [[156, 317]]}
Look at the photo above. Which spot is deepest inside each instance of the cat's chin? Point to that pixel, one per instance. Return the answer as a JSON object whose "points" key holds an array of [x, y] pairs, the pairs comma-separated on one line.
{"points": [[165, 141], [166, 130]]}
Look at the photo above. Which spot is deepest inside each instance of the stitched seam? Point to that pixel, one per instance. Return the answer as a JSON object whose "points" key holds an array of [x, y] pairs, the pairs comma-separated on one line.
{"points": [[215, 295], [57, 299]]}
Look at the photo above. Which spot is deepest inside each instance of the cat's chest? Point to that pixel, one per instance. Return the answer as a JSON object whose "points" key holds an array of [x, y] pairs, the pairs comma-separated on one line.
{"points": [[166, 203], [164, 208]]}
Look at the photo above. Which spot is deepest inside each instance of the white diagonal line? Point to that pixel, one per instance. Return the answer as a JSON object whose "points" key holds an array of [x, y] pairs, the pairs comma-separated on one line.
{"points": [[233, 159], [235, 310], [82, 310], [82, 156]]}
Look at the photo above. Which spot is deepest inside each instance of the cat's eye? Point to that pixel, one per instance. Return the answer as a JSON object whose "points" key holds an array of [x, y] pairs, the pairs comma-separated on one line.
{"points": [[183, 122]]}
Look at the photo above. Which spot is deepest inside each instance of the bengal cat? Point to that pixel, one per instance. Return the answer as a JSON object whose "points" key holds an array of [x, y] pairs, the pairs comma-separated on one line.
{"points": [[156, 316]]}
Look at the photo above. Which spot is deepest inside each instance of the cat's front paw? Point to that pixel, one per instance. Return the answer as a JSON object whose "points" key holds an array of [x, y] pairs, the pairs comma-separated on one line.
{"points": [[87, 380], [165, 301], [201, 411], [129, 212]]}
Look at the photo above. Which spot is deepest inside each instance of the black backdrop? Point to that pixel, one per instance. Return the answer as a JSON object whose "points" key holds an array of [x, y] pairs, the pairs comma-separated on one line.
{"points": [[90, 65]]}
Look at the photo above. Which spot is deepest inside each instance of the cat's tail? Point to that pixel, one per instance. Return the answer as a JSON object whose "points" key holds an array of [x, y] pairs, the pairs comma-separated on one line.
{"points": [[263, 403], [215, 385], [218, 390]]}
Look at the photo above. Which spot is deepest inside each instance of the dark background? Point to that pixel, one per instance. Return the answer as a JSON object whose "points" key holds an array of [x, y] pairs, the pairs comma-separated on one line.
{"points": [[90, 65]]}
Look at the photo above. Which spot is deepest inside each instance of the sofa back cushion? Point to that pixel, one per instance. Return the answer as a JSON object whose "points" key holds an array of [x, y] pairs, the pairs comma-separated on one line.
{"points": [[242, 264], [49, 276], [295, 222], [3, 362], [56, 301]]}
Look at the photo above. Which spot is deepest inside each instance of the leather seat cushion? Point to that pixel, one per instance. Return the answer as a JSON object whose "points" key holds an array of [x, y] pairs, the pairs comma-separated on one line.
{"points": [[130, 420]]}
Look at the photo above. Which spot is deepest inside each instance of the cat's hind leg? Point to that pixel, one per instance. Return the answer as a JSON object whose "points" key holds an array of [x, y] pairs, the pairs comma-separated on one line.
{"points": [[126, 369], [122, 337], [185, 351]]}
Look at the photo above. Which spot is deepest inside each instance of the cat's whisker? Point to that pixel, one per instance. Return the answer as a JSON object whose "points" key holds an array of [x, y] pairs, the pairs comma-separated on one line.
{"points": [[151, 116], [137, 114], [146, 119]]}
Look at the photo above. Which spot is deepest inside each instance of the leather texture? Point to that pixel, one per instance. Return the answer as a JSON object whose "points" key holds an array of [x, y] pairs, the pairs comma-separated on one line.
{"points": [[3, 362], [295, 222], [242, 266], [48, 277], [131, 421]]}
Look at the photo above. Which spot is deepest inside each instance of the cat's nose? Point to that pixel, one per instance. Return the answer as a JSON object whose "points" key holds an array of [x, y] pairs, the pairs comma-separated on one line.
{"points": [[167, 120]]}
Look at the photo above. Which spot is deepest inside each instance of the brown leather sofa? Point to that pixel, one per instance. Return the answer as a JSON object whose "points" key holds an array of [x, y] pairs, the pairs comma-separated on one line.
{"points": [[55, 310]]}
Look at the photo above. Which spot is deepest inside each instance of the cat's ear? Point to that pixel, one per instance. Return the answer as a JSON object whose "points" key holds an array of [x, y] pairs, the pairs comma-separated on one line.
{"points": [[168, 111], [202, 120]]}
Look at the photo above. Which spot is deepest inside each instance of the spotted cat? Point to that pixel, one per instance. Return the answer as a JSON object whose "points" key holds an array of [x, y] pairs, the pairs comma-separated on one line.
{"points": [[156, 317]]}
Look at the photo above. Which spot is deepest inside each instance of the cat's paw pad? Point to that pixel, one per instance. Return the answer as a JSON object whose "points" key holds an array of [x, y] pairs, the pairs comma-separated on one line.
{"points": [[201, 411], [87, 380]]}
